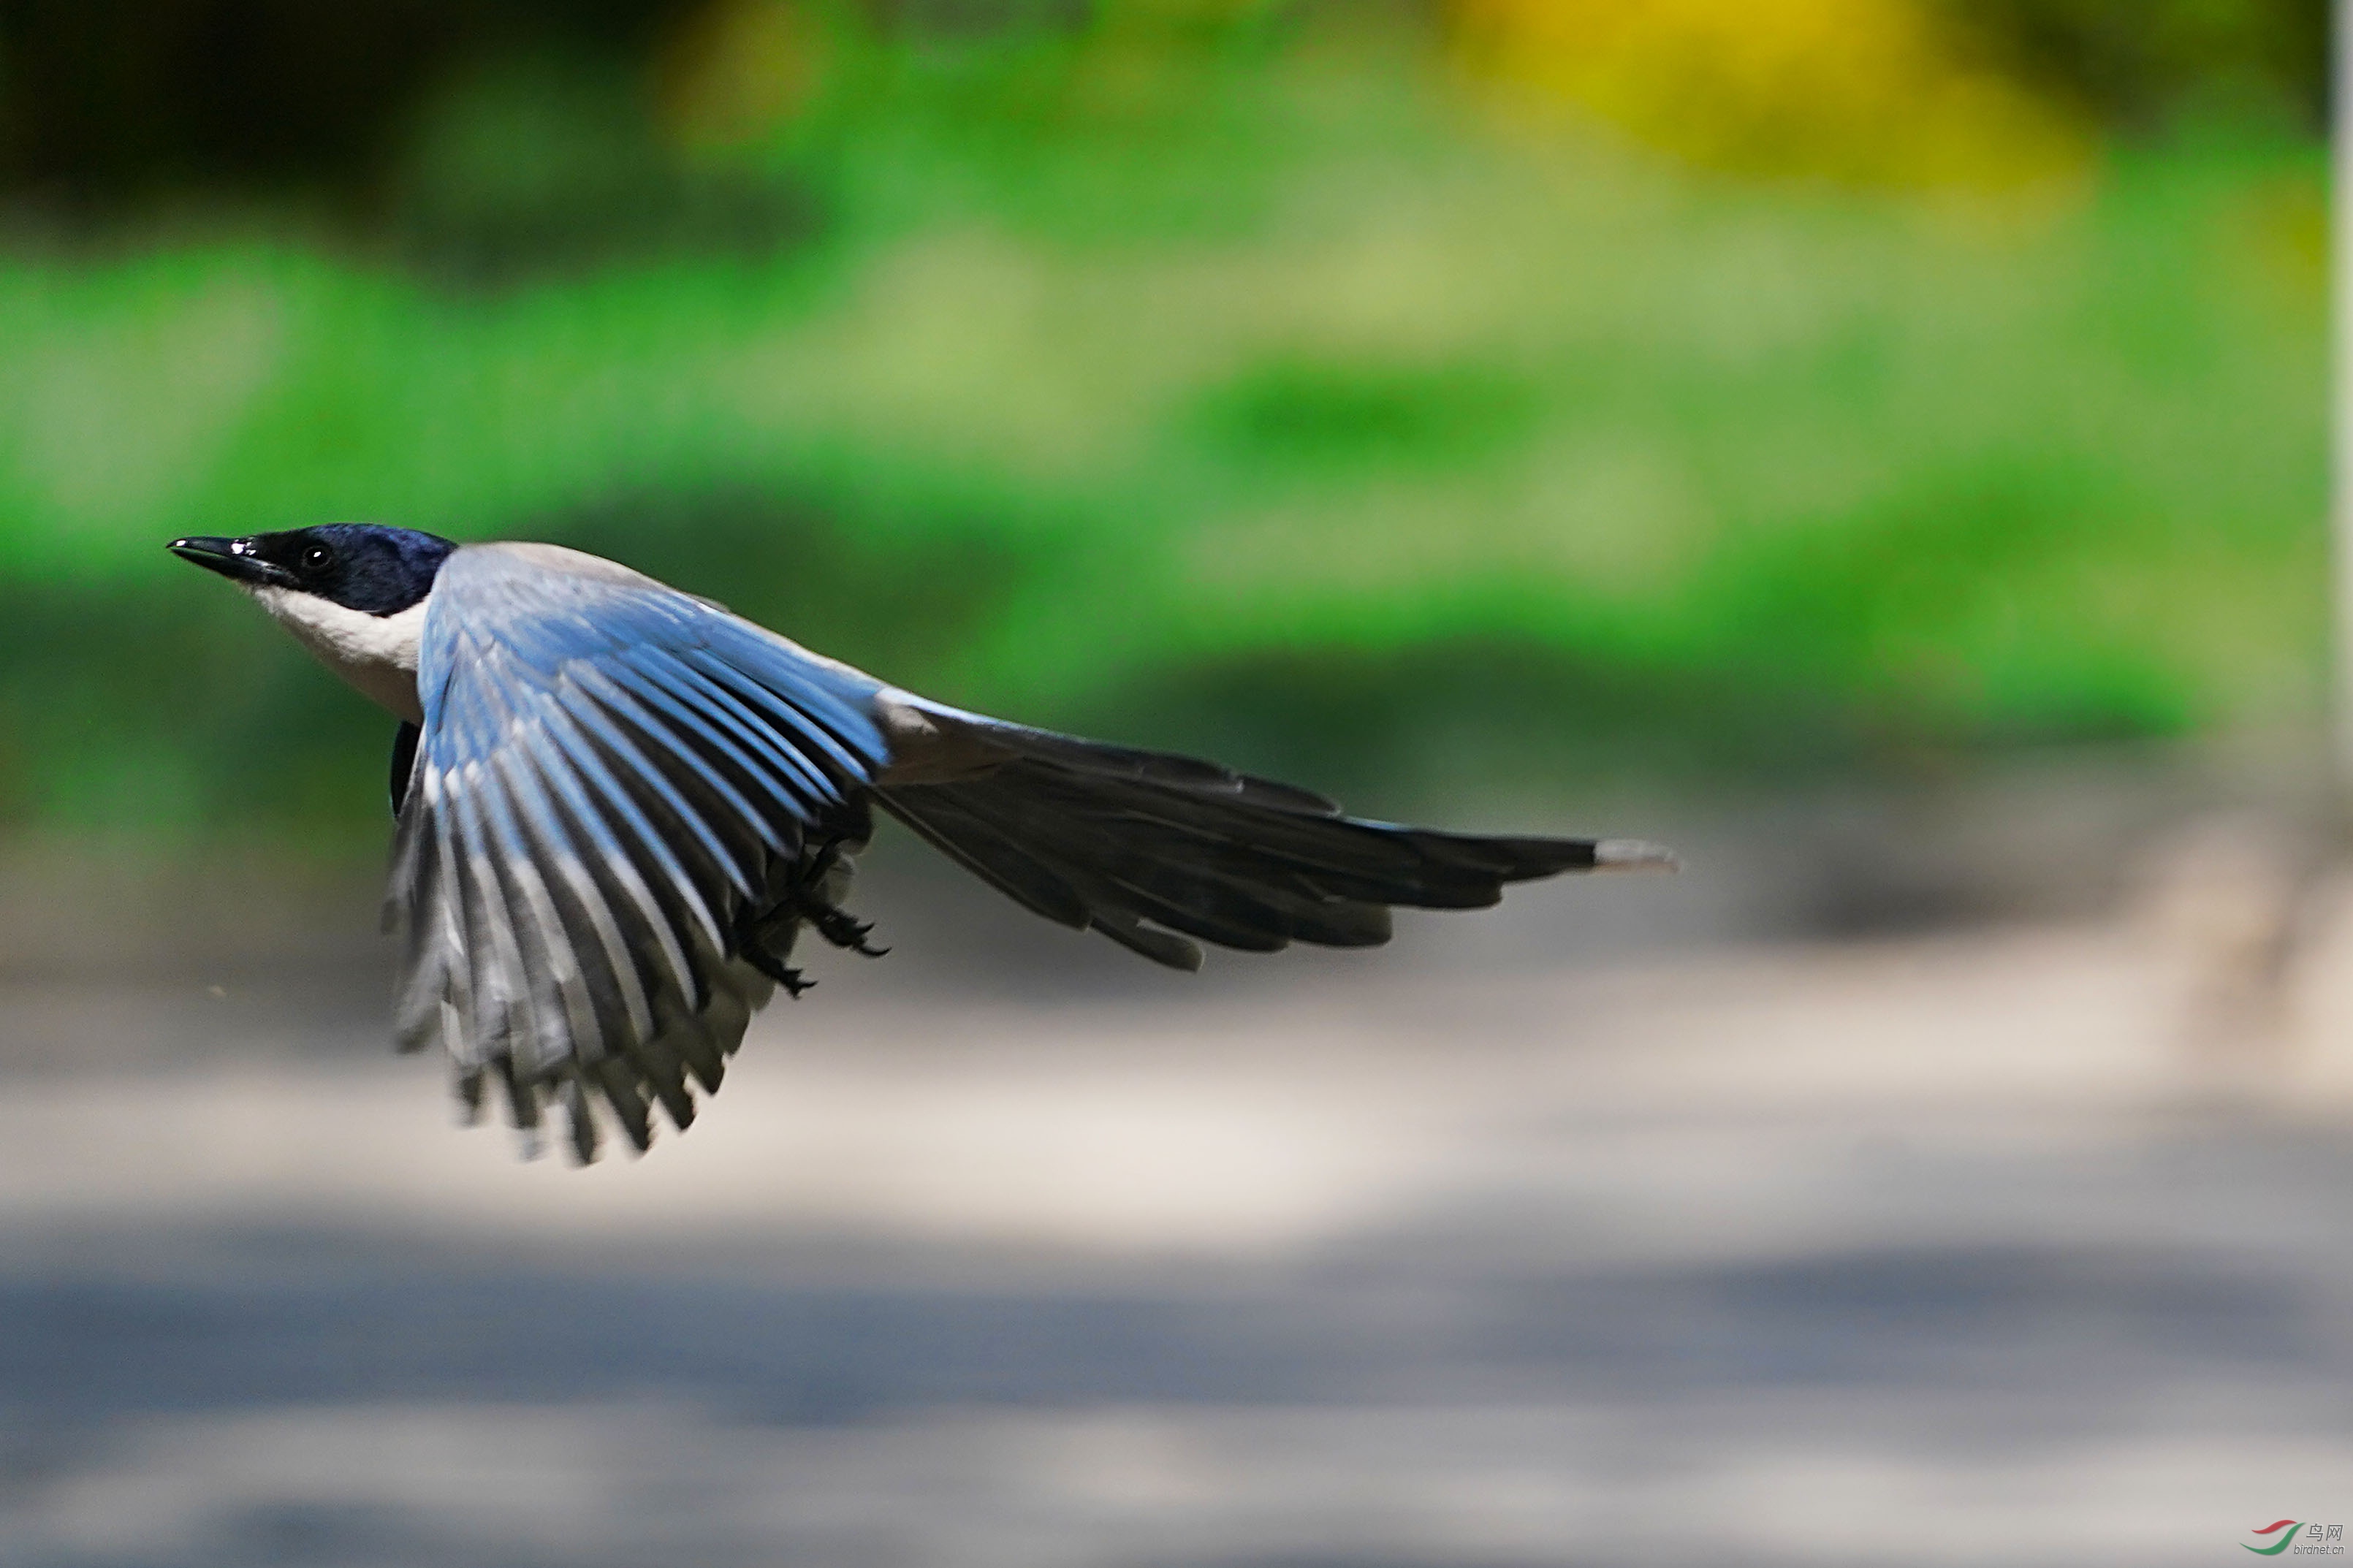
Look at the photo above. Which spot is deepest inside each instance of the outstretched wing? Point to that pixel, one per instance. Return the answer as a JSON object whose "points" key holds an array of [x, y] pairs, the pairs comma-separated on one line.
{"points": [[609, 774]]}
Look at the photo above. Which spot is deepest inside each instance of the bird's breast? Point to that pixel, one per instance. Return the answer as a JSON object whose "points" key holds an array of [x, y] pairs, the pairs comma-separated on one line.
{"points": [[375, 653]]}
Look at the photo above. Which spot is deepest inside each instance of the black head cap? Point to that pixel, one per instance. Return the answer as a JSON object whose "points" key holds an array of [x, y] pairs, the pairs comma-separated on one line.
{"points": [[363, 566]]}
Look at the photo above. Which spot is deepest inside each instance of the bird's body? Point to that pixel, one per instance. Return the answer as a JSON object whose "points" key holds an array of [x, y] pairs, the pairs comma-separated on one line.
{"points": [[620, 807]]}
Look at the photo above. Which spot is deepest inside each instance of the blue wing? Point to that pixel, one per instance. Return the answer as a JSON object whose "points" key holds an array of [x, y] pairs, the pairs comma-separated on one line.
{"points": [[611, 779]]}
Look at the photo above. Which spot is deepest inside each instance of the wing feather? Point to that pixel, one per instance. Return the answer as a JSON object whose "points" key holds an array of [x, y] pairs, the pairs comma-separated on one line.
{"points": [[667, 792], [618, 971], [643, 839], [722, 761], [729, 689], [565, 971]]}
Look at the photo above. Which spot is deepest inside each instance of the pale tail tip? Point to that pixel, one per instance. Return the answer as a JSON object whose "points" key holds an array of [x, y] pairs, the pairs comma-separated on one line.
{"points": [[1634, 855]]}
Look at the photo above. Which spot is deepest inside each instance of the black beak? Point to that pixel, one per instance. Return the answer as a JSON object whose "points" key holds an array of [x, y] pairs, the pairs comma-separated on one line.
{"points": [[232, 558]]}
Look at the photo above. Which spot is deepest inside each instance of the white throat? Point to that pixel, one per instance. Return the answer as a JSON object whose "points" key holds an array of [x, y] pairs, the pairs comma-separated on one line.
{"points": [[377, 654]]}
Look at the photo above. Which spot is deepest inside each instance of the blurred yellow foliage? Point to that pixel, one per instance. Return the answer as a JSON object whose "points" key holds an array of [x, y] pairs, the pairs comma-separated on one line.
{"points": [[737, 70], [1870, 91]]}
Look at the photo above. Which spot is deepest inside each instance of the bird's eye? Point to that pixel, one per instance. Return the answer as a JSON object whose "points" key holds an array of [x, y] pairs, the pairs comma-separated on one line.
{"points": [[316, 557]]}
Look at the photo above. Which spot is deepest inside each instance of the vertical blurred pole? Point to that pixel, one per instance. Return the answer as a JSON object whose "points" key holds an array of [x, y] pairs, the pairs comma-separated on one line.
{"points": [[2340, 413]]}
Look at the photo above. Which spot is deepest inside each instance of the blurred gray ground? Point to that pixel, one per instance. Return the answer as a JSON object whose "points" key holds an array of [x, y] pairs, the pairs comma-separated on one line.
{"points": [[1524, 1242]]}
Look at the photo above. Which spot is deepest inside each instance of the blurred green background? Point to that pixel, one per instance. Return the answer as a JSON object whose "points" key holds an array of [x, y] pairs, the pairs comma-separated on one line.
{"points": [[1392, 394]]}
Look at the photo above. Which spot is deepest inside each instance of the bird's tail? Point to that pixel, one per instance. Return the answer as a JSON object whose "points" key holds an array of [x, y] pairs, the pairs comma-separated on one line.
{"points": [[1101, 836]]}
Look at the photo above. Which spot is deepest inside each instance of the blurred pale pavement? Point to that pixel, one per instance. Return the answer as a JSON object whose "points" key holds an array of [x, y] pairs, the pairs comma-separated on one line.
{"points": [[1937, 1250]]}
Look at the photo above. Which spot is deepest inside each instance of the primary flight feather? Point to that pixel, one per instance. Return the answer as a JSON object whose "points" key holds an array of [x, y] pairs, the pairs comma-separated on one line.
{"points": [[620, 806]]}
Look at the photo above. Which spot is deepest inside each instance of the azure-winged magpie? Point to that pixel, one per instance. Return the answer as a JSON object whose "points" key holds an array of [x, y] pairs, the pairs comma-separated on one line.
{"points": [[618, 804]]}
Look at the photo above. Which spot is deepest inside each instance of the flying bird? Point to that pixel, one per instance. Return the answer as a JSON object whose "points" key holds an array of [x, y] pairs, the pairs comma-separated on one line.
{"points": [[620, 806]]}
